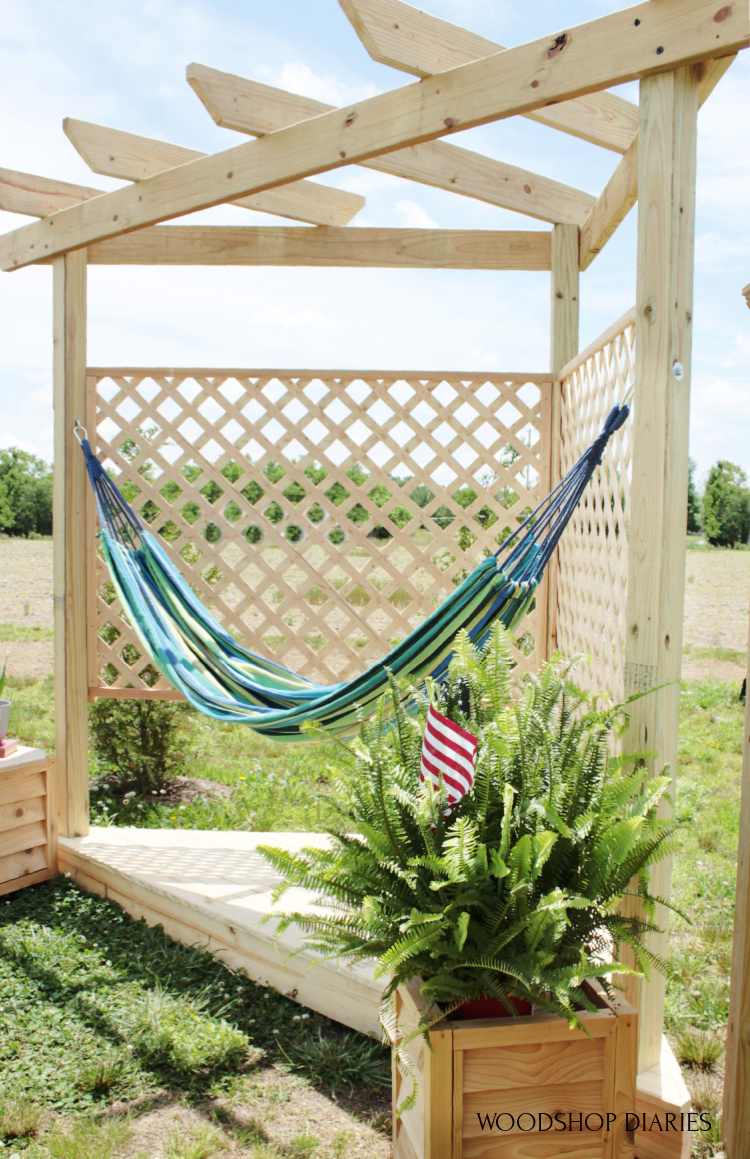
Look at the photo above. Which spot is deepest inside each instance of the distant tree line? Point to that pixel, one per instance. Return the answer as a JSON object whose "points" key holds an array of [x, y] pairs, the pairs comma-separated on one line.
{"points": [[25, 494], [722, 512]]}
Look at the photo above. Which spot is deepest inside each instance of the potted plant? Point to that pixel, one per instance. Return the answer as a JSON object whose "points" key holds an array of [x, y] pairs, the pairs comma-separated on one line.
{"points": [[513, 894], [4, 705]]}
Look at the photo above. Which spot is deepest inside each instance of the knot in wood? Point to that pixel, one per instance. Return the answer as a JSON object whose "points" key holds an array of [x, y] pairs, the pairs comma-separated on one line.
{"points": [[350, 119], [558, 46], [722, 14]]}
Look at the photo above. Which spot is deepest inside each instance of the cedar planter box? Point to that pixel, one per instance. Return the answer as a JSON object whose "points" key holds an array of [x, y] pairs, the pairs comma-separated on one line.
{"points": [[28, 828], [511, 1070]]}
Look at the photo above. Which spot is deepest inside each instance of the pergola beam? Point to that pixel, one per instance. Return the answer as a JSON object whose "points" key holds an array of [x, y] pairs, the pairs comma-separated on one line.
{"points": [[133, 158], [250, 107], [394, 33], [647, 39], [446, 249], [746, 293], [621, 191]]}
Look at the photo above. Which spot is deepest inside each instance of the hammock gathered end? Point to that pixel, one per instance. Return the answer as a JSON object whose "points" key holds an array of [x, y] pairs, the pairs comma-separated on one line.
{"points": [[227, 682]]}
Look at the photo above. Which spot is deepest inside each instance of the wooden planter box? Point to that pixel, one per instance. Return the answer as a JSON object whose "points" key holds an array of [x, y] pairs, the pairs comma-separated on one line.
{"points": [[518, 1070], [28, 845]]}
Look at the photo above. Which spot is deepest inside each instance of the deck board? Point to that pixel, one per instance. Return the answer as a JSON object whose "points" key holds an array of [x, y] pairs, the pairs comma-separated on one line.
{"points": [[212, 889]]}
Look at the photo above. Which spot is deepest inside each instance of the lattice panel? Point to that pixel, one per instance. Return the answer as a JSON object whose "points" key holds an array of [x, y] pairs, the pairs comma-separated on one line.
{"points": [[320, 516], [593, 552]]}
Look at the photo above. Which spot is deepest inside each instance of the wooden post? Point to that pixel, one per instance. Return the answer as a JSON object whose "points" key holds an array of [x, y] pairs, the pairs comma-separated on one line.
{"points": [[658, 503], [70, 525], [563, 347], [736, 1118]]}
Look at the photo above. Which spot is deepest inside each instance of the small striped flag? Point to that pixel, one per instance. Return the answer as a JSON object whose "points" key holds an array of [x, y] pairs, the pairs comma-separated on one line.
{"points": [[450, 751]]}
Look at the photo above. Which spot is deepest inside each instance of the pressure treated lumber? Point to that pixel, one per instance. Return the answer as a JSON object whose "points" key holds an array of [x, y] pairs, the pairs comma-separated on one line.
{"points": [[736, 1118], [564, 314], [132, 157], [417, 42], [39, 196], [446, 249], [621, 191], [70, 578], [610, 50], [658, 498], [250, 107]]}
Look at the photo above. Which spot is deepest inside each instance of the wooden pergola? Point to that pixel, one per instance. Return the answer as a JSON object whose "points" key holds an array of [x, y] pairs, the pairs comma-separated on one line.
{"points": [[677, 49]]}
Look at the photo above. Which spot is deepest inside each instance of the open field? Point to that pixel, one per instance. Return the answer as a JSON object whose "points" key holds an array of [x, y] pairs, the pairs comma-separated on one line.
{"points": [[717, 593]]}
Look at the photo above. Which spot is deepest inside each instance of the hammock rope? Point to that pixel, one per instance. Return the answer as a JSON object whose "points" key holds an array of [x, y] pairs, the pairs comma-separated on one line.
{"points": [[227, 682]]}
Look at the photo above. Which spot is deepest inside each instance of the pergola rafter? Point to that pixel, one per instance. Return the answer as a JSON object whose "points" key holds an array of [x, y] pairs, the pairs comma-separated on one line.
{"points": [[413, 41], [257, 109], [131, 157]]}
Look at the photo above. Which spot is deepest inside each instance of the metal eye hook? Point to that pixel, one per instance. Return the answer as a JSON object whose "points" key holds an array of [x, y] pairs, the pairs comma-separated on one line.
{"points": [[78, 426]]}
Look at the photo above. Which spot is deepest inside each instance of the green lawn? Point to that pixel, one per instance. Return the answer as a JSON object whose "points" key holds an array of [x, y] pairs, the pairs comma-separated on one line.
{"points": [[99, 1011]]}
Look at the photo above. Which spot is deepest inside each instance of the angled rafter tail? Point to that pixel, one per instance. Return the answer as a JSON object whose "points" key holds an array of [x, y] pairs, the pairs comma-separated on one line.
{"points": [[416, 42], [134, 158]]}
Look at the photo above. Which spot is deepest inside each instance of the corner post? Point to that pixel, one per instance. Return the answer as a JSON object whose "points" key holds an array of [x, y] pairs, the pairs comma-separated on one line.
{"points": [[658, 503], [563, 348], [70, 576]]}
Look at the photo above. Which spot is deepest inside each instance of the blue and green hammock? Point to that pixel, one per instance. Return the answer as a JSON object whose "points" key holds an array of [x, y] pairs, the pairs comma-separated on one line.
{"points": [[226, 681]]}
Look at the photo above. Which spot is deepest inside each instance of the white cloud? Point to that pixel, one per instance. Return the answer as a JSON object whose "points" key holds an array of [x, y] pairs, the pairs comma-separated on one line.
{"points": [[297, 77], [413, 216]]}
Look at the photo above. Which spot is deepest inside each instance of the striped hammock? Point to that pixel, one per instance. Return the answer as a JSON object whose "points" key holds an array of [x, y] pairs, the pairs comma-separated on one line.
{"points": [[227, 682]]}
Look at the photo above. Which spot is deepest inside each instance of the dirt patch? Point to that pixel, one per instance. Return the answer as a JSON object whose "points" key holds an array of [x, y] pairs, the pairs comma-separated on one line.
{"points": [[181, 790]]}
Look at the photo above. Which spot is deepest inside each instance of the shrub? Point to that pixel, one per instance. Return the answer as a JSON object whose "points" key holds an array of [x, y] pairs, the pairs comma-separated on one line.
{"points": [[141, 742]]}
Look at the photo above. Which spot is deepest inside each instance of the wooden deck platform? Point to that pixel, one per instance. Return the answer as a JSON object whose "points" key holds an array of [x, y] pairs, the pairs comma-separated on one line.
{"points": [[212, 889]]}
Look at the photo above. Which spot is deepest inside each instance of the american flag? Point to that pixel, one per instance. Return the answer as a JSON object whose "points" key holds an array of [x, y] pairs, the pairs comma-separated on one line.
{"points": [[448, 751]]}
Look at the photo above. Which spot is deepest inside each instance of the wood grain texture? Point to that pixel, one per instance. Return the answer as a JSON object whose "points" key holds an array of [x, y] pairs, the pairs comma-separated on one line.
{"points": [[22, 838], [610, 50], [22, 813], [658, 495], [446, 249], [22, 785], [70, 548], [39, 196], [406, 38], [736, 1120], [621, 191], [250, 107], [127, 155]]}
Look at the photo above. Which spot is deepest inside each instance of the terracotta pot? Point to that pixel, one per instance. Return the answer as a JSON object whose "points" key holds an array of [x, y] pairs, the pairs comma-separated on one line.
{"points": [[4, 718], [486, 1007]]}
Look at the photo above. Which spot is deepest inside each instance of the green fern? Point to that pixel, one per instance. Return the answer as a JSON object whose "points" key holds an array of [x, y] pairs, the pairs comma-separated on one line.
{"points": [[516, 890]]}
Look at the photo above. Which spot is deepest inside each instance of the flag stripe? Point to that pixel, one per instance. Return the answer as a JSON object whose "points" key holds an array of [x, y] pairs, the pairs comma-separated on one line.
{"points": [[449, 753]]}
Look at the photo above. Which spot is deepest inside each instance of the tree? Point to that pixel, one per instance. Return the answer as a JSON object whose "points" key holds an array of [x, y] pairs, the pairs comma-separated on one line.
{"points": [[693, 503], [726, 505], [25, 493]]}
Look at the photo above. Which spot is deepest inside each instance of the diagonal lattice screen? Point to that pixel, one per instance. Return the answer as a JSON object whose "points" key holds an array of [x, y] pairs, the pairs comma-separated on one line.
{"points": [[320, 515], [593, 553]]}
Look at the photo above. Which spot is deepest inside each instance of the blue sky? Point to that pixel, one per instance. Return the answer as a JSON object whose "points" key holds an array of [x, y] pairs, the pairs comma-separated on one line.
{"points": [[124, 66]]}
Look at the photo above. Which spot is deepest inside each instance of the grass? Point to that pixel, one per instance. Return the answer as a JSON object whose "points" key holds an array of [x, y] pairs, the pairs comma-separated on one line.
{"points": [[97, 1008]]}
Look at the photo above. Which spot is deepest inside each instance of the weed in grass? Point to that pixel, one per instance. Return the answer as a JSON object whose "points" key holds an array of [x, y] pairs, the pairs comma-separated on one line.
{"points": [[87, 1138], [706, 1096], [302, 1146], [340, 1144], [169, 1033], [345, 1060], [103, 1073], [20, 1118], [201, 1143], [696, 1048]]}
